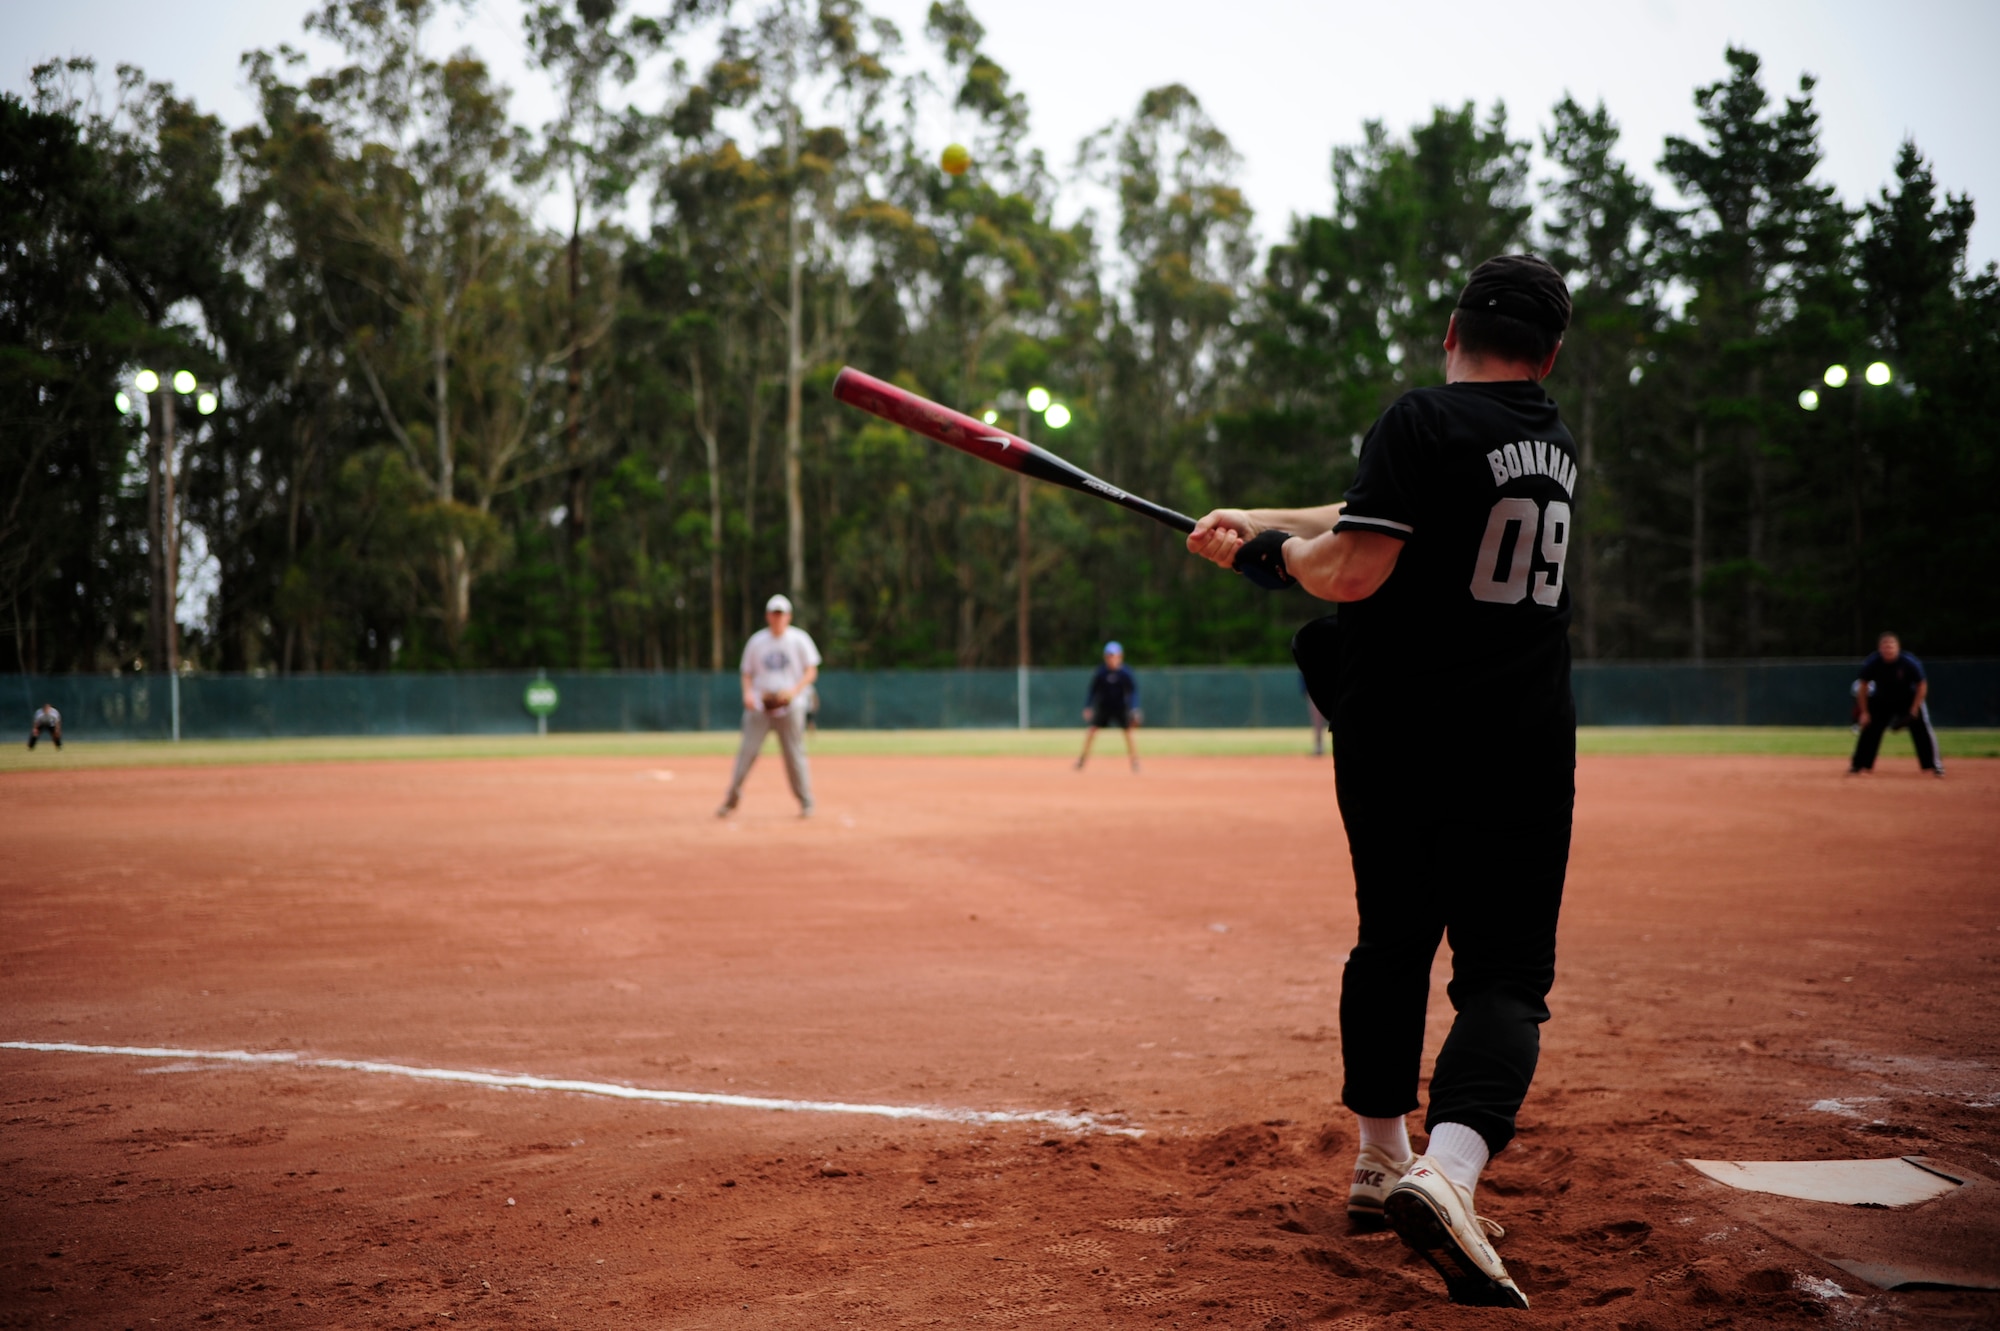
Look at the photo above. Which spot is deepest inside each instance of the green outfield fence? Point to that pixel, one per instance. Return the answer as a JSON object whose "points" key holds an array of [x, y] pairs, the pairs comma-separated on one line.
{"points": [[1749, 693]]}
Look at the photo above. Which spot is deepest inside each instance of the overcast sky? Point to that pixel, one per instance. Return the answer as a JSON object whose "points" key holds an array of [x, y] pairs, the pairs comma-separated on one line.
{"points": [[1287, 80]]}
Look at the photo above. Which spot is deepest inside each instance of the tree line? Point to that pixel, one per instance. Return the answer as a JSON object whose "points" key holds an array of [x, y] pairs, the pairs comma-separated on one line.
{"points": [[446, 434]]}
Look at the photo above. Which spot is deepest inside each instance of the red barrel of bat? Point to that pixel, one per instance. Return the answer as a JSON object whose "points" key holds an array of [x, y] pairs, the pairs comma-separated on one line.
{"points": [[927, 418]]}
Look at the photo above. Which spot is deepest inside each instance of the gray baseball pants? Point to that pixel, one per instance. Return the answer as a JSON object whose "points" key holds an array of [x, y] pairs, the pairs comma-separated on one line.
{"points": [[790, 728]]}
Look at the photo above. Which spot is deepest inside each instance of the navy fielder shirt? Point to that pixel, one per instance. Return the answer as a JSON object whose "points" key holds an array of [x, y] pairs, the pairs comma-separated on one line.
{"points": [[1112, 691], [1476, 480], [1891, 685]]}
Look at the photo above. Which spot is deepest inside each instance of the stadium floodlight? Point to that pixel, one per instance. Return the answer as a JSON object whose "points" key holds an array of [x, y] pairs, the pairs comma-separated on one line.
{"points": [[124, 403], [206, 403], [1038, 399], [1058, 416], [1809, 400], [1836, 376], [146, 381], [1877, 374], [184, 381], [990, 416]]}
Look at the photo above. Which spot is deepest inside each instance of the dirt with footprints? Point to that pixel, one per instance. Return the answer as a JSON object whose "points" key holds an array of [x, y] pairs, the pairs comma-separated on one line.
{"points": [[1760, 960]]}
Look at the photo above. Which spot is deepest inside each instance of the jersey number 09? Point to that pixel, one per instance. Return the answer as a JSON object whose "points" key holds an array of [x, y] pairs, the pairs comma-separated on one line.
{"points": [[1510, 537]]}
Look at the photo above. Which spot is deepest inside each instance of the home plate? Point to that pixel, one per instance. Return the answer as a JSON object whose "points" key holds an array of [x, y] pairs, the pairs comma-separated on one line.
{"points": [[1900, 1223], [1899, 1181]]}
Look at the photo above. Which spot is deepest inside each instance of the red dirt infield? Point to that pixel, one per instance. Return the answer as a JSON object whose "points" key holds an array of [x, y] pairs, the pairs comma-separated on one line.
{"points": [[1760, 960]]}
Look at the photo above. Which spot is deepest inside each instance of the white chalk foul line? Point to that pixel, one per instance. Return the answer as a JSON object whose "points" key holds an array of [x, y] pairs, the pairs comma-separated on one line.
{"points": [[1054, 1118]]}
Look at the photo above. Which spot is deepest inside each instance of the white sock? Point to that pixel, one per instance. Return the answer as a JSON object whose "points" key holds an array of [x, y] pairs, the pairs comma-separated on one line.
{"points": [[1389, 1135], [1460, 1152]]}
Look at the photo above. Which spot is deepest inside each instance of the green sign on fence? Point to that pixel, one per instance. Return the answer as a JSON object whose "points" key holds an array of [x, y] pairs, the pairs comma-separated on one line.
{"points": [[540, 699]]}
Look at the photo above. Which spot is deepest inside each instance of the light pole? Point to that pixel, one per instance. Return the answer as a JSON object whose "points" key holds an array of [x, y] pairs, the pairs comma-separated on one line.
{"points": [[163, 516], [1877, 375], [1036, 401]]}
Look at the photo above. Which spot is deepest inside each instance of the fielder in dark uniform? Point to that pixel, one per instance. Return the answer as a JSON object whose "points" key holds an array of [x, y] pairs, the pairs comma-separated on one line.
{"points": [[1113, 700], [1892, 692], [1447, 681]]}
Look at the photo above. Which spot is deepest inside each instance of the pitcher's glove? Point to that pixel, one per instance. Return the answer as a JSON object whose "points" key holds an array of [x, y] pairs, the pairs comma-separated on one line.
{"points": [[776, 702], [1262, 560]]}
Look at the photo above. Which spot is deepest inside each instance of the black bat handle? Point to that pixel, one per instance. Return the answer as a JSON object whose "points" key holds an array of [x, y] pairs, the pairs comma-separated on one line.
{"points": [[1166, 517], [1045, 466]]}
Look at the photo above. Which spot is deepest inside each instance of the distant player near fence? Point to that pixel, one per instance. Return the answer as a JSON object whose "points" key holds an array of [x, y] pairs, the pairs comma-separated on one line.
{"points": [[49, 719], [1890, 693], [780, 664], [1113, 700]]}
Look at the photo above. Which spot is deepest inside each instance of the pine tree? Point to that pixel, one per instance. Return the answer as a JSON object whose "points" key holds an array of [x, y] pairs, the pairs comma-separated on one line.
{"points": [[1762, 237], [1600, 228]]}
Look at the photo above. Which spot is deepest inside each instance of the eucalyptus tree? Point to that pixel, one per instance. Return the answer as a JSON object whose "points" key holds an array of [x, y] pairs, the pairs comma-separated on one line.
{"points": [[689, 308], [1184, 252], [70, 304], [696, 300], [595, 149], [1171, 346], [784, 63], [389, 175], [114, 257], [978, 293]]}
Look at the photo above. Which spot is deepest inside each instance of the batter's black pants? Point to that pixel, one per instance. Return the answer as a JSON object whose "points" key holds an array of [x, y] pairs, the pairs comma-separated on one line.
{"points": [[1866, 747], [1473, 854]]}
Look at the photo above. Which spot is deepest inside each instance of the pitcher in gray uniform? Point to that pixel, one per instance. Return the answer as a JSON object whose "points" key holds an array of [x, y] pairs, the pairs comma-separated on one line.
{"points": [[780, 664]]}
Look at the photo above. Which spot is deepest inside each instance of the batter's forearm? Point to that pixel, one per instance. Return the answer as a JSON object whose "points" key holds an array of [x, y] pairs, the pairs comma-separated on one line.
{"points": [[1298, 521], [1342, 566]]}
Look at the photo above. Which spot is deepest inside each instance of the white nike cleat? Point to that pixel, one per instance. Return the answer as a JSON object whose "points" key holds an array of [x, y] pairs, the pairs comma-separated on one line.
{"points": [[1374, 1174], [1434, 1216]]}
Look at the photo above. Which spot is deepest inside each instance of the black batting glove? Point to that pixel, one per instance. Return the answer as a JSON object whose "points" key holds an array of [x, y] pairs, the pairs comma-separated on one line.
{"points": [[1262, 560]]}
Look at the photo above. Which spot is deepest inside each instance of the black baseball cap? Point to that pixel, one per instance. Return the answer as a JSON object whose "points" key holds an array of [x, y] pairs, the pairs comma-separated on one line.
{"points": [[1519, 286]]}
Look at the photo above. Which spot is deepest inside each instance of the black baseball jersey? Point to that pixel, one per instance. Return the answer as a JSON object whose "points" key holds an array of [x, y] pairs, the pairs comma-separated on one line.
{"points": [[1476, 480], [1891, 685], [1113, 691]]}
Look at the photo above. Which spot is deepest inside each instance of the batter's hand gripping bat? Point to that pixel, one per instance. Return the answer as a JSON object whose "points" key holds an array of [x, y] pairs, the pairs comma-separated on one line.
{"points": [[989, 443]]}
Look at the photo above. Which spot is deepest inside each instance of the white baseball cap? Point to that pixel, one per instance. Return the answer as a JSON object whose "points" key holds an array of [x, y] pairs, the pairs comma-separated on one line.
{"points": [[779, 602]]}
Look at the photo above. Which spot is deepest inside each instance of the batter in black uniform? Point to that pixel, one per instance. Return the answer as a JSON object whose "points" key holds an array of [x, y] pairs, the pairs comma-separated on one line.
{"points": [[1890, 693], [1446, 679]]}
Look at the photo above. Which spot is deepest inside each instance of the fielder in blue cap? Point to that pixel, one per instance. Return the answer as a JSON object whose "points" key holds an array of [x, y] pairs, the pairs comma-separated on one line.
{"points": [[1113, 700]]}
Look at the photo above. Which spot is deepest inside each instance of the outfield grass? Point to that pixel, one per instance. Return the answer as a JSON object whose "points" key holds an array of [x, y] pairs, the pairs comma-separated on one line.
{"points": [[1797, 741], [1819, 742]]}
